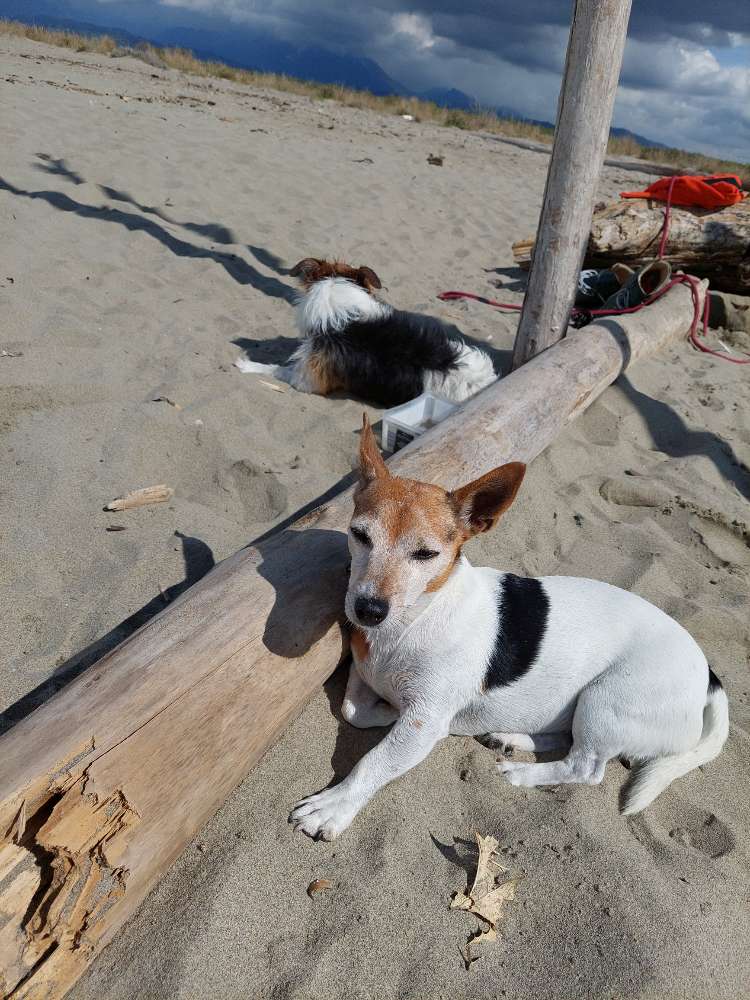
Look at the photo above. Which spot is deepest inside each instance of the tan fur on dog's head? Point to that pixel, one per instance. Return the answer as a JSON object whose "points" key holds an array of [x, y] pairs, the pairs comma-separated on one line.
{"points": [[311, 270], [406, 536]]}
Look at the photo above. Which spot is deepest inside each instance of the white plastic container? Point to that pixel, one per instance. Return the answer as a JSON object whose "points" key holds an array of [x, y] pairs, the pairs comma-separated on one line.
{"points": [[401, 424]]}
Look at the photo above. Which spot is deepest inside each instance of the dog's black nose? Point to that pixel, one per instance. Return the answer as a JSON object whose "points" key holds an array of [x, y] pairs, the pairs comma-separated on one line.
{"points": [[371, 610]]}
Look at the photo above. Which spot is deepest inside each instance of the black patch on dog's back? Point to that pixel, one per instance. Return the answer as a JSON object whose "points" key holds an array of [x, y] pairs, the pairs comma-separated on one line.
{"points": [[714, 684], [523, 609], [385, 360]]}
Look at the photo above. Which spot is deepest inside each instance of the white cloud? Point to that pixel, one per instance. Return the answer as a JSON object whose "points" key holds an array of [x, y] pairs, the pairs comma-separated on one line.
{"points": [[415, 26]]}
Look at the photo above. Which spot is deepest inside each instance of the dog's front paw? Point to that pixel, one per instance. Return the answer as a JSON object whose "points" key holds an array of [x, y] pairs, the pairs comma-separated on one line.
{"points": [[517, 774], [325, 815]]}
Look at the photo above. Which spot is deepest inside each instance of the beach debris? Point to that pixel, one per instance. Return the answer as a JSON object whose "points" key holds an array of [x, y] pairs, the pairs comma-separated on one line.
{"points": [[365, 159], [115, 527], [166, 399], [408, 118], [11, 354], [489, 893], [140, 498], [435, 161], [318, 885], [272, 385]]}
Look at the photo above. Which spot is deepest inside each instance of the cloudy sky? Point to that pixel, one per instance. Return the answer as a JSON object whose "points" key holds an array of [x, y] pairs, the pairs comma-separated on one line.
{"points": [[685, 79]]}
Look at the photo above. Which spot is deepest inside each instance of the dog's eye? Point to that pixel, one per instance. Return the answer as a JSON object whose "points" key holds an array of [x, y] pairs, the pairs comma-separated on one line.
{"points": [[361, 536], [422, 555]]}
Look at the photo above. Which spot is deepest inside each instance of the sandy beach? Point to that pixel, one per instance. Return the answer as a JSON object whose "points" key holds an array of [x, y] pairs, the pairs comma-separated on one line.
{"points": [[148, 222]]}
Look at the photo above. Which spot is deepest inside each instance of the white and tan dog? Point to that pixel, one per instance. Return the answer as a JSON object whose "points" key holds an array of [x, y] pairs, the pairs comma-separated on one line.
{"points": [[442, 647]]}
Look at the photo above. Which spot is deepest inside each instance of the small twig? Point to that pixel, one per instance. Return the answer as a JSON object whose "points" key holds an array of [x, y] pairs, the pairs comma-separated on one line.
{"points": [[139, 498]]}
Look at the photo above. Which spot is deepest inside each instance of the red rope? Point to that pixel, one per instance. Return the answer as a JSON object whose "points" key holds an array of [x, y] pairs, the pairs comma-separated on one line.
{"points": [[679, 279], [667, 213]]}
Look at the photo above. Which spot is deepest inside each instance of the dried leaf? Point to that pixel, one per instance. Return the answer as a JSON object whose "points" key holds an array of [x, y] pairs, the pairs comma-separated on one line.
{"points": [[140, 498], [491, 907], [486, 898], [318, 885]]}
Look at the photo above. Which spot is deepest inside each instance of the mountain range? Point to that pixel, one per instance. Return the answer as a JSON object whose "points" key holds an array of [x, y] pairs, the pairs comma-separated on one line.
{"points": [[244, 49]]}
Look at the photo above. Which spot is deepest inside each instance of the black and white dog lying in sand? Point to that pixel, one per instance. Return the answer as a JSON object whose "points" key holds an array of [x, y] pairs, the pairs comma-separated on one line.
{"points": [[353, 342]]}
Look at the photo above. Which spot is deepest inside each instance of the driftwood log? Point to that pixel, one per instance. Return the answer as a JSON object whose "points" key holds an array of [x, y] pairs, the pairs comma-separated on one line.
{"points": [[584, 115], [713, 245], [105, 785]]}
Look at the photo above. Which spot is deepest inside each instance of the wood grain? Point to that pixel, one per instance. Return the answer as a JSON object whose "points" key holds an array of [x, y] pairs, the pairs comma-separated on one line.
{"points": [[592, 68], [713, 245]]}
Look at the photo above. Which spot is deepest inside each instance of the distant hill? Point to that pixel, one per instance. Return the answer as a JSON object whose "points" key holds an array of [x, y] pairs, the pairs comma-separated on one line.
{"points": [[449, 97], [244, 49], [236, 48]]}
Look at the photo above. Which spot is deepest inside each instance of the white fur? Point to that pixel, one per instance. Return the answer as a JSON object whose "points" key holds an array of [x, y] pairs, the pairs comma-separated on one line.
{"points": [[614, 675], [333, 303], [294, 372], [473, 373], [330, 305], [650, 779]]}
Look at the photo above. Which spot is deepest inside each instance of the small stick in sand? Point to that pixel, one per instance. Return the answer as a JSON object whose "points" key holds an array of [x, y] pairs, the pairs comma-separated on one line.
{"points": [[166, 399], [139, 498], [270, 385]]}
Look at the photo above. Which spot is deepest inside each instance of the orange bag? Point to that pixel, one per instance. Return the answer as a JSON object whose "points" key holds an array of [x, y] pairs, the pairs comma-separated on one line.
{"points": [[711, 191]]}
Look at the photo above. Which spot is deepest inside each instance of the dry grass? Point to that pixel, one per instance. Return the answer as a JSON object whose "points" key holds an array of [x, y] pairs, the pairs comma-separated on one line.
{"points": [[478, 120]]}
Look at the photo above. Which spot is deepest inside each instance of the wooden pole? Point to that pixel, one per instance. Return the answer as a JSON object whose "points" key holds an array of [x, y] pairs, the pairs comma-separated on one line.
{"points": [[105, 785], [592, 69]]}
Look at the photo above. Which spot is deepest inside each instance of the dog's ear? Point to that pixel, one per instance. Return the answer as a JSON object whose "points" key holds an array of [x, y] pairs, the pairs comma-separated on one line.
{"points": [[371, 464], [306, 268], [367, 278], [481, 503]]}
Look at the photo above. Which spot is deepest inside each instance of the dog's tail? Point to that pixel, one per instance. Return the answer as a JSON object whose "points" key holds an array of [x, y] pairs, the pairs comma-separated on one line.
{"points": [[651, 778]]}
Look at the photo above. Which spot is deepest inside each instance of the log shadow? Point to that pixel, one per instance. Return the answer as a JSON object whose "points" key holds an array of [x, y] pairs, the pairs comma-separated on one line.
{"points": [[298, 618], [668, 430], [198, 559], [671, 434]]}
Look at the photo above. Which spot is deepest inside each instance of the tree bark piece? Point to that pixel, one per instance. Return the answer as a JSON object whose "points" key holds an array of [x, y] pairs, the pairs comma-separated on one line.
{"points": [[105, 785], [713, 245], [592, 69]]}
